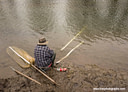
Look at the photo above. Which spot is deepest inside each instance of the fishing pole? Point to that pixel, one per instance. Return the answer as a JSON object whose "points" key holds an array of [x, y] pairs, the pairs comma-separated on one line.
{"points": [[69, 52], [72, 39]]}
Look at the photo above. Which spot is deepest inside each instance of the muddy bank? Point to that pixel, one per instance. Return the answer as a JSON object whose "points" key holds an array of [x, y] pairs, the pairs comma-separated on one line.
{"points": [[77, 79]]}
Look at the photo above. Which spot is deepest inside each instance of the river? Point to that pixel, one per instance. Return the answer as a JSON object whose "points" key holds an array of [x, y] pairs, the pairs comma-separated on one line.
{"points": [[23, 22]]}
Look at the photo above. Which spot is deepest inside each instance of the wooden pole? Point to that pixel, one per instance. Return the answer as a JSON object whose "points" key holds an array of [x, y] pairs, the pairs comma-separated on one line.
{"points": [[44, 74], [73, 39], [69, 52], [33, 66], [25, 76]]}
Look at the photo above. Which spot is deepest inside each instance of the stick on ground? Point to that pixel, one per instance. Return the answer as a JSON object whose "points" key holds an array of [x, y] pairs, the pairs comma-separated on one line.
{"points": [[25, 76], [44, 74]]}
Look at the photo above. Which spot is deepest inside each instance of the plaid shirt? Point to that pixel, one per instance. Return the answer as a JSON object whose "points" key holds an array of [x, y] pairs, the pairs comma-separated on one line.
{"points": [[43, 55]]}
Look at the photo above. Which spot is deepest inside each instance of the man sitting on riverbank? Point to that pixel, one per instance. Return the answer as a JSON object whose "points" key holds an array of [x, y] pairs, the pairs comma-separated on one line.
{"points": [[44, 56]]}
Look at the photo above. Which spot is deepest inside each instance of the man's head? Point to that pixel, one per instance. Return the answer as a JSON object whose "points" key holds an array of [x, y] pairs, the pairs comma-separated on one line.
{"points": [[42, 41]]}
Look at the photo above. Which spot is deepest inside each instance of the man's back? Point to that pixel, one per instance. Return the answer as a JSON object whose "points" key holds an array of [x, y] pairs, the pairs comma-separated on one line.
{"points": [[43, 55]]}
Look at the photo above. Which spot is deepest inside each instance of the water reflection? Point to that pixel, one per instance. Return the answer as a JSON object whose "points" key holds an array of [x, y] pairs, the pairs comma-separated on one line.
{"points": [[60, 12], [102, 7], [21, 11], [103, 18], [39, 16]]}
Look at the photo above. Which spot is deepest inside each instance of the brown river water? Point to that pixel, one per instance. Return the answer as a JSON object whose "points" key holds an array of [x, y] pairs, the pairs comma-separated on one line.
{"points": [[23, 22]]}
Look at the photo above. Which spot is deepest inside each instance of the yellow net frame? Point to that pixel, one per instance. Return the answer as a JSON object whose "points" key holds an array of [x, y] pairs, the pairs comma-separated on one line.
{"points": [[23, 53]]}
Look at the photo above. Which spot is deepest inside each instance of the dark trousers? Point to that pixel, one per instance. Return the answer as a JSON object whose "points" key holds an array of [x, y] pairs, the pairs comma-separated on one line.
{"points": [[53, 59]]}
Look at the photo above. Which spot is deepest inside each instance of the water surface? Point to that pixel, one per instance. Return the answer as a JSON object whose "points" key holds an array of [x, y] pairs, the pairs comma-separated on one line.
{"points": [[23, 22]]}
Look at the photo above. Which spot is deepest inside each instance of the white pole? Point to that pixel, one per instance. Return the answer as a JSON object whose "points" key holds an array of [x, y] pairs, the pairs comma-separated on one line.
{"points": [[73, 39], [69, 52]]}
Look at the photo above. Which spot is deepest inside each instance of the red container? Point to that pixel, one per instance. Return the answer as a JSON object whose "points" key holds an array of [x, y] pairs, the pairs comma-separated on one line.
{"points": [[62, 69]]}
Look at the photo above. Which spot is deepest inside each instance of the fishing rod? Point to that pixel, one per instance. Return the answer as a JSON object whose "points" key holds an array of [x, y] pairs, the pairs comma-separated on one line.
{"points": [[33, 66], [72, 39], [69, 52]]}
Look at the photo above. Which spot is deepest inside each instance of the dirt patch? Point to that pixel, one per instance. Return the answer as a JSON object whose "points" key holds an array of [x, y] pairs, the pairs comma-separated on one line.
{"points": [[82, 78]]}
